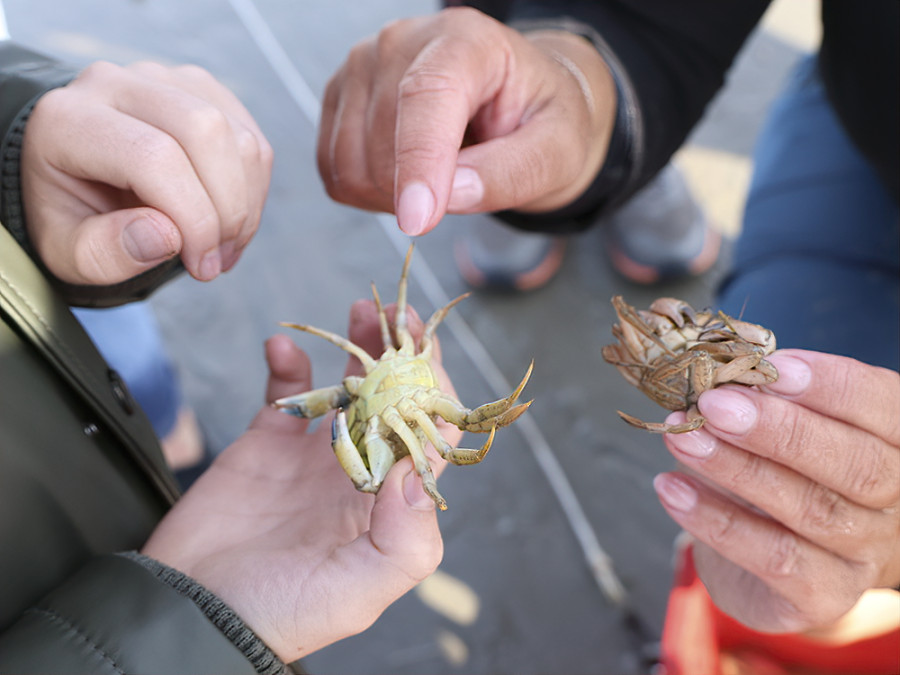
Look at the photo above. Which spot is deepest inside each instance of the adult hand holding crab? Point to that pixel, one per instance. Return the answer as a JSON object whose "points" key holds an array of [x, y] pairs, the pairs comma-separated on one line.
{"points": [[793, 492], [276, 530]]}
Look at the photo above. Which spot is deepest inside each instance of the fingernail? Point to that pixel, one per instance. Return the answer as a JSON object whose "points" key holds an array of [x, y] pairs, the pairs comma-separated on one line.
{"points": [[210, 265], [794, 375], [699, 444], [415, 208], [728, 410], [467, 191], [415, 494], [230, 254], [674, 492], [145, 242]]}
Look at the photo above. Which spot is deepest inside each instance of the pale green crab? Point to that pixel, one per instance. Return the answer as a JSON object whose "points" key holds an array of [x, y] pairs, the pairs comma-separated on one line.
{"points": [[391, 412]]}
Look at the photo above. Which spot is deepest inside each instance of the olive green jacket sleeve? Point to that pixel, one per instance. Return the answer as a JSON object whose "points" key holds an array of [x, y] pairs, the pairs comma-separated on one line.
{"points": [[25, 76]]}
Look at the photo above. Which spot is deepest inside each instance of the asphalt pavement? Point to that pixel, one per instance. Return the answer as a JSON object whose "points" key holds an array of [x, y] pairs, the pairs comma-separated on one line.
{"points": [[566, 491]]}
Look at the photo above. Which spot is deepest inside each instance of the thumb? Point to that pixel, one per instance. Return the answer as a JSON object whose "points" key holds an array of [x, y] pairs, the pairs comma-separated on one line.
{"points": [[112, 247], [491, 176], [404, 544]]}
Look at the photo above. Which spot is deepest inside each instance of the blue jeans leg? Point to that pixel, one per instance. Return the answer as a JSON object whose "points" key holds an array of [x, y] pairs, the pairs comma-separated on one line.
{"points": [[818, 259], [130, 340]]}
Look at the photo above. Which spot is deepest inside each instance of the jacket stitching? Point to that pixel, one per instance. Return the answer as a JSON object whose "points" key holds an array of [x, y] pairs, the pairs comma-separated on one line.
{"points": [[55, 618]]}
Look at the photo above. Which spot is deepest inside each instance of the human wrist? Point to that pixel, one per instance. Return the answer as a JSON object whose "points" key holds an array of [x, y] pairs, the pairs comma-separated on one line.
{"points": [[586, 68], [623, 160]]}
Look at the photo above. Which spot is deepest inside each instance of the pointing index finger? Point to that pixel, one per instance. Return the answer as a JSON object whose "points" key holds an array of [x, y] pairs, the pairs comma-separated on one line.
{"points": [[443, 88]]}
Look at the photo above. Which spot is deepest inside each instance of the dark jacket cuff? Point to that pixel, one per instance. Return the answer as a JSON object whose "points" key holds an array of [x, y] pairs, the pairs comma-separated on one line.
{"points": [[25, 76], [221, 615], [116, 614]]}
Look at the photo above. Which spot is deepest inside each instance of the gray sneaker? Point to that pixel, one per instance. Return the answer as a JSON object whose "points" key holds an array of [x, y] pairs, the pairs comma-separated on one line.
{"points": [[491, 255]]}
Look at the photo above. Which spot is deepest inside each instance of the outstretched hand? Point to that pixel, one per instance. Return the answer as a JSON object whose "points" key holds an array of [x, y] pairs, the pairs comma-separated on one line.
{"points": [[794, 491], [459, 113], [125, 168], [277, 530]]}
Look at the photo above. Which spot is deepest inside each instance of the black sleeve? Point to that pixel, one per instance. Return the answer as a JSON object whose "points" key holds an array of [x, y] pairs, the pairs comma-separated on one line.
{"points": [[669, 58]]}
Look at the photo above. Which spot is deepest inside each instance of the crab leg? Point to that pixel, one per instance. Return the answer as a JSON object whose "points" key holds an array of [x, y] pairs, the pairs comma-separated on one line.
{"points": [[694, 421], [630, 324], [459, 456], [758, 371], [348, 456], [404, 339], [750, 332], [314, 403], [674, 309], [386, 339], [427, 341], [612, 354], [367, 361], [483, 418], [499, 413], [395, 421]]}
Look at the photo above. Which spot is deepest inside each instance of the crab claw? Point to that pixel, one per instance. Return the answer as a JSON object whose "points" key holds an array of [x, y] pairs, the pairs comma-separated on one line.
{"points": [[674, 309], [499, 413], [466, 456], [503, 419]]}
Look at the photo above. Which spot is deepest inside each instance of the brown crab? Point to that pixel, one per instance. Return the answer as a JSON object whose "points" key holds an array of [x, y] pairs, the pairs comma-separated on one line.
{"points": [[673, 354]]}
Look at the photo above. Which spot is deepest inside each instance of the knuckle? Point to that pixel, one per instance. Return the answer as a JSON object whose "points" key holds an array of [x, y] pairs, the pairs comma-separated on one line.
{"points": [[748, 471], [783, 559], [150, 69], [869, 477], [101, 70], [389, 38], [466, 17], [425, 79], [793, 434], [207, 123], [722, 530], [825, 511], [248, 145], [193, 72], [156, 149], [361, 55], [266, 152]]}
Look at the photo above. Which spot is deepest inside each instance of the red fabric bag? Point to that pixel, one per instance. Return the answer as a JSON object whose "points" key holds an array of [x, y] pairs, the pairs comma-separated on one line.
{"points": [[699, 639]]}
